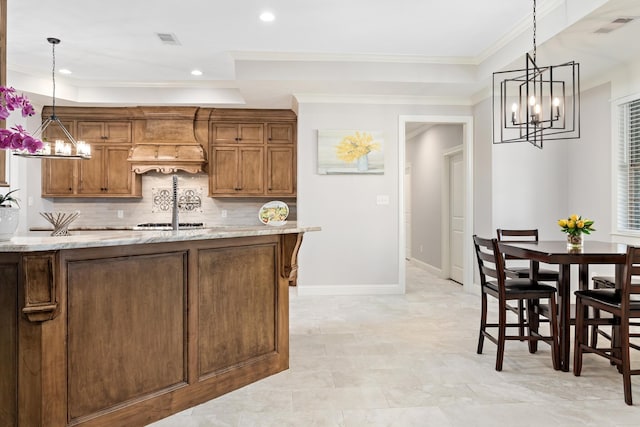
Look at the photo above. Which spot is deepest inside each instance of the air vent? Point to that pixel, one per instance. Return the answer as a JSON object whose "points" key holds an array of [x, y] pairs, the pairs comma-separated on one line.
{"points": [[613, 25], [168, 38]]}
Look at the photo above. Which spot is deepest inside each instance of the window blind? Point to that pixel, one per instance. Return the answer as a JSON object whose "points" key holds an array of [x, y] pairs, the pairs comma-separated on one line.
{"points": [[629, 166]]}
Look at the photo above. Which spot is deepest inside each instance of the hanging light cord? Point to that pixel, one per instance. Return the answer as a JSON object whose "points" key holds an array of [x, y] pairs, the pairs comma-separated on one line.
{"points": [[534, 30], [53, 78]]}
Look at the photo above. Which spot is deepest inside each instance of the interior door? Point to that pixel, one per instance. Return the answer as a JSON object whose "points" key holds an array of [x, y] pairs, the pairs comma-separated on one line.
{"points": [[456, 216], [407, 210]]}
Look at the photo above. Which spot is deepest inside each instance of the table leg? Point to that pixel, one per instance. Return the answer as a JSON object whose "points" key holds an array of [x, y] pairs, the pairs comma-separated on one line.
{"points": [[564, 308]]}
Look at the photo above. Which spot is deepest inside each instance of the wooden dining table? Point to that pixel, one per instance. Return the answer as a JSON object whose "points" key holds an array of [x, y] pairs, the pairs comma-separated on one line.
{"points": [[556, 252]]}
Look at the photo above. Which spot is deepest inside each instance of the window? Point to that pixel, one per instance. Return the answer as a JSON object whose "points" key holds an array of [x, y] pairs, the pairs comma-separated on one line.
{"points": [[629, 166]]}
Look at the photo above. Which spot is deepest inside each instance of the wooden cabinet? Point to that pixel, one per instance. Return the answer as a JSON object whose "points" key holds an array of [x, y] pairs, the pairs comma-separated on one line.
{"points": [[104, 132], [106, 174], [280, 164], [238, 170], [252, 153], [241, 133]]}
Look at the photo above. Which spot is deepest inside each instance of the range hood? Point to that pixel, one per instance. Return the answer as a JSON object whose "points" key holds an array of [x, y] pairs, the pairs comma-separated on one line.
{"points": [[165, 140]]}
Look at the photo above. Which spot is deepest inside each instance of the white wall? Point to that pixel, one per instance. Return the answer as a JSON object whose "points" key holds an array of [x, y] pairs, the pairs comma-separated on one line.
{"points": [[425, 153], [533, 188], [357, 249]]}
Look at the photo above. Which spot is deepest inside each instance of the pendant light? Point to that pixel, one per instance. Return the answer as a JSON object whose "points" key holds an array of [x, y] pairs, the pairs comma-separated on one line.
{"points": [[538, 102], [67, 148]]}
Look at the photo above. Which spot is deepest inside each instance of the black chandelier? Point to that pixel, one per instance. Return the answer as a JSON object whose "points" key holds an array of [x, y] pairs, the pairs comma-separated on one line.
{"points": [[538, 102]]}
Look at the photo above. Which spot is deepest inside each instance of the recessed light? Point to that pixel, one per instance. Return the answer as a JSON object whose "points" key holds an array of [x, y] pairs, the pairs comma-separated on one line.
{"points": [[196, 72], [267, 17], [64, 71]]}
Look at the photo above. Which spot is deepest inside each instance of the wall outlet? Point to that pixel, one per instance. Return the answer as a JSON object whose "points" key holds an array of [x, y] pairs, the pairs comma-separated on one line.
{"points": [[223, 213], [382, 199], [120, 213]]}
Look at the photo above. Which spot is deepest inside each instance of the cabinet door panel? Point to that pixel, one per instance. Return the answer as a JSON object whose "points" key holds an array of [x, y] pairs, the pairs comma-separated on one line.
{"points": [[117, 132], [280, 171], [90, 131], [223, 176], [224, 133], [90, 174], [58, 177], [54, 131], [251, 170], [280, 133], [118, 178], [251, 133]]}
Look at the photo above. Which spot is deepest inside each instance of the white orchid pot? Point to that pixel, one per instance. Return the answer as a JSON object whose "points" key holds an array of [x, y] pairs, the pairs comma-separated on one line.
{"points": [[8, 222]]}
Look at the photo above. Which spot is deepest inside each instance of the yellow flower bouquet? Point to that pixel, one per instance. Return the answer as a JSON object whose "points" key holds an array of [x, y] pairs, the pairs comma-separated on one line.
{"points": [[576, 225], [355, 146]]}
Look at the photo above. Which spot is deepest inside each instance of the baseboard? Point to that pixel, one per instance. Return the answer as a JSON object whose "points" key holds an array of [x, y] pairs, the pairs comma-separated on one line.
{"points": [[427, 267], [393, 289]]}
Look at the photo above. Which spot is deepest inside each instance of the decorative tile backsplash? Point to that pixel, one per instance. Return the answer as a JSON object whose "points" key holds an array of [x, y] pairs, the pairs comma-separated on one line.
{"points": [[189, 200], [155, 206]]}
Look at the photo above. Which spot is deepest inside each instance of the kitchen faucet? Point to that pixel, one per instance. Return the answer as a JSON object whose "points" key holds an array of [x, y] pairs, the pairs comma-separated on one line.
{"points": [[174, 212]]}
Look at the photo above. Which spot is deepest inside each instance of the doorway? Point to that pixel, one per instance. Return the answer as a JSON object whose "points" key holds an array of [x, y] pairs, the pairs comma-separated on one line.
{"points": [[463, 260]]}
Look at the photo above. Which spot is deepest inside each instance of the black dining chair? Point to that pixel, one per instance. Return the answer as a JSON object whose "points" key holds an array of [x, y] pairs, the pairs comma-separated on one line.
{"points": [[494, 282], [623, 305], [519, 271]]}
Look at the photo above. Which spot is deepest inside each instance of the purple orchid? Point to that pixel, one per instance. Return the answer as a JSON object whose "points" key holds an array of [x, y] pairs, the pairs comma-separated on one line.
{"points": [[17, 137]]}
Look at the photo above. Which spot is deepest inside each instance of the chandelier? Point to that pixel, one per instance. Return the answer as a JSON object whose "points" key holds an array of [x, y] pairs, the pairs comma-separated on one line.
{"points": [[68, 147], [538, 102]]}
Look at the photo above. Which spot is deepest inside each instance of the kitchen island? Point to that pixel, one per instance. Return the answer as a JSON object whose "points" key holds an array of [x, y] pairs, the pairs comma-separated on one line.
{"points": [[123, 328]]}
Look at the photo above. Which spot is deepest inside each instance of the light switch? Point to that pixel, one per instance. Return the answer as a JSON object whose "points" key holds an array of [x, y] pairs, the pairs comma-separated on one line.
{"points": [[382, 199]]}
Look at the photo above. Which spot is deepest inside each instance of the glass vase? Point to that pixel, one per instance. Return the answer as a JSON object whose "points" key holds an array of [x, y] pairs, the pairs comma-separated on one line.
{"points": [[574, 241]]}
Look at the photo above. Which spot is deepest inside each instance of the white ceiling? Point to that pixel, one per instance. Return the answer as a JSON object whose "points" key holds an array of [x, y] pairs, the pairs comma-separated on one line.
{"points": [[418, 51]]}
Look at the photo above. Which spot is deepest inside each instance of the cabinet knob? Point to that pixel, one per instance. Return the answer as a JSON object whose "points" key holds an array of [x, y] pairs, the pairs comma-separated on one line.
{"points": [[104, 137]]}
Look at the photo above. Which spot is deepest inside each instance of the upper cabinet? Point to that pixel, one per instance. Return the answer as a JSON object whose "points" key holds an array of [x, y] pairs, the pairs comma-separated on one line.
{"points": [[104, 132], [252, 153], [108, 173]]}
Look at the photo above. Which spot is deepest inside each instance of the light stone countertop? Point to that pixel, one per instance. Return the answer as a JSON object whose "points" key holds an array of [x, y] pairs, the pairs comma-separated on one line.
{"points": [[42, 241]]}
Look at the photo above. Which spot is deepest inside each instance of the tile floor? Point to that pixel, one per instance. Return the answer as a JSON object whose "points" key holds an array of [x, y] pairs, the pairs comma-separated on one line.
{"points": [[410, 360]]}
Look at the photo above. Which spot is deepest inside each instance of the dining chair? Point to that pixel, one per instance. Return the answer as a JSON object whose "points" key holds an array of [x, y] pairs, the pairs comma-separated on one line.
{"points": [[623, 304], [518, 271], [494, 282]]}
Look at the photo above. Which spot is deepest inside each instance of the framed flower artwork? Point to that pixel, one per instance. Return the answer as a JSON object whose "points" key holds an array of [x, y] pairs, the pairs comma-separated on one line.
{"points": [[350, 152]]}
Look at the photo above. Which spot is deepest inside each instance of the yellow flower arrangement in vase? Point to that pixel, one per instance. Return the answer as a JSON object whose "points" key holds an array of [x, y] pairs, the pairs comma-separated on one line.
{"points": [[575, 226], [356, 147]]}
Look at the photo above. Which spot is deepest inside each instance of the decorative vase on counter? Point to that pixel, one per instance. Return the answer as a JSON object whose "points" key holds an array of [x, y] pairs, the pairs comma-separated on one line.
{"points": [[8, 222], [574, 241]]}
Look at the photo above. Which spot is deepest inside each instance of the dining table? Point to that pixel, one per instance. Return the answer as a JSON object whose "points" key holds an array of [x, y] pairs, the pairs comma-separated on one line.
{"points": [[557, 252]]}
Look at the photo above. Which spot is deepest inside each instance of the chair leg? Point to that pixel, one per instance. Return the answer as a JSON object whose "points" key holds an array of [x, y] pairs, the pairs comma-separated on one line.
{"points": [[483, 322], [554, 331], [534, 323], [579, 338], [594, 329], [521, 318], [502, 329], [626, 367]]}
